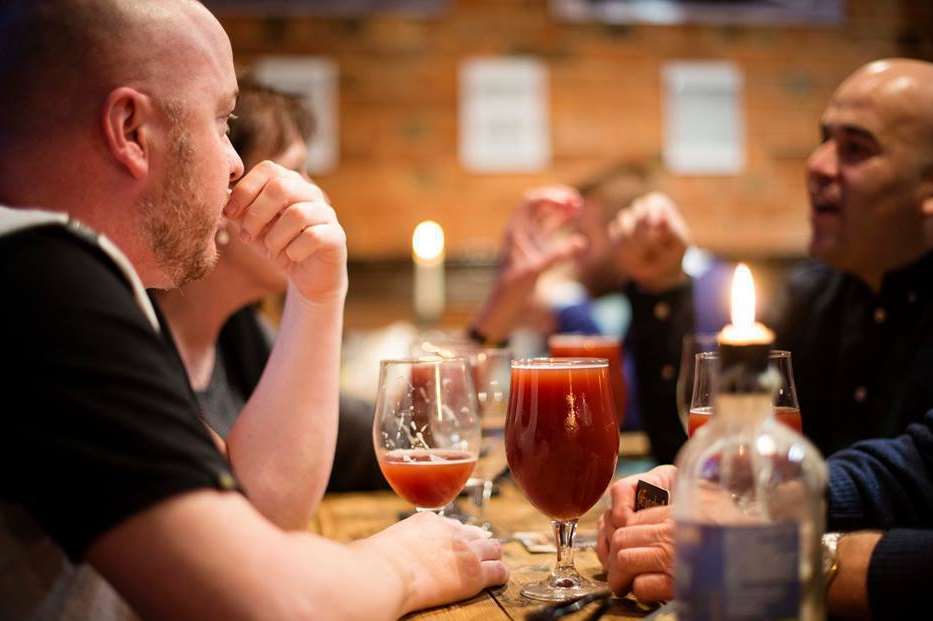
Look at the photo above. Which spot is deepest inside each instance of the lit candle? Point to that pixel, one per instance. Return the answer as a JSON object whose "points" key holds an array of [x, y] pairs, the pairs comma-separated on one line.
{"points": [[427, 245], [744, 344], [744, 330]]}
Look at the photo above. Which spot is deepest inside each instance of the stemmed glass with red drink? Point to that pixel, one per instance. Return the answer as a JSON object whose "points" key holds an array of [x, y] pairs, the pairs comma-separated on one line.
{"points": [[426, 428], [562, 443]]}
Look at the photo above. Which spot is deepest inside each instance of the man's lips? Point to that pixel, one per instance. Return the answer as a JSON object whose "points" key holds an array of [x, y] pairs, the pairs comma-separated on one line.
{"points": [[824, 208]]}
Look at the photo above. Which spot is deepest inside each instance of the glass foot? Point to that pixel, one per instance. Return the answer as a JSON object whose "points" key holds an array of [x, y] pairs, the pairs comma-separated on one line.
{"points": [[563, 586]]}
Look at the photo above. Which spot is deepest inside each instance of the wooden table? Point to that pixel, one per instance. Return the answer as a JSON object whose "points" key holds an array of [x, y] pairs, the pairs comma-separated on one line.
{"points": [[346, 517]]}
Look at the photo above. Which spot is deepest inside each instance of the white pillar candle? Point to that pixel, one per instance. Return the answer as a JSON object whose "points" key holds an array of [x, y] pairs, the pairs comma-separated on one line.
{"points": [[427, 245]]}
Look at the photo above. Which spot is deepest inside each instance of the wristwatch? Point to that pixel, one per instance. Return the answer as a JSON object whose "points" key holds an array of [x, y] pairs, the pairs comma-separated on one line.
{"points": [[830, 557]]}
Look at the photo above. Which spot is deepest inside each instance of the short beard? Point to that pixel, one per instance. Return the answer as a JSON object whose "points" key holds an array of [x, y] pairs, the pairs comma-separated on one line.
{"points": [[176, 225]]}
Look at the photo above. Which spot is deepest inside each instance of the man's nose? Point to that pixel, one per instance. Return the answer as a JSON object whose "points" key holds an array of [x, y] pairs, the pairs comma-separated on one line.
{"points": [[236, 166], [824, 161]]}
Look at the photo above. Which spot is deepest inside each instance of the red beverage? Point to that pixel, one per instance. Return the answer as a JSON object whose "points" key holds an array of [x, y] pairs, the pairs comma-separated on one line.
{"points": [[428, 479], [790, 417], [698, 418], [561, 437], [787, 415], [594, 346]]}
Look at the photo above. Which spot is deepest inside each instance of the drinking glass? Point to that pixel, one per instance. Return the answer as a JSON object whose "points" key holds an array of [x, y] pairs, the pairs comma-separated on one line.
{"points": [[786, 407], [595, 346], [693, 344], [490, 368], [426, 428], [562, 443]]}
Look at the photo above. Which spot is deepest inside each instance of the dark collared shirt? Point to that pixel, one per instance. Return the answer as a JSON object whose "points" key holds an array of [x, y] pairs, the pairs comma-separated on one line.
{"points": [[863, 361]]}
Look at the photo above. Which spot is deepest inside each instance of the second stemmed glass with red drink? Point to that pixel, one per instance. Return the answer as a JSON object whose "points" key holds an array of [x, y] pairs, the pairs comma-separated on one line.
{"points": [[562, 443], [786, 407], [595, 346]]}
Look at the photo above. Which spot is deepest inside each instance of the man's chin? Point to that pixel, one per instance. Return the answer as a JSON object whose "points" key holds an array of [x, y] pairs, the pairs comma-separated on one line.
{"points": [[198, 268]]}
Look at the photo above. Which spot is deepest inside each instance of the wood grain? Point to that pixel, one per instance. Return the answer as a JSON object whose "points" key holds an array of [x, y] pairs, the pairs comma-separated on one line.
{"points": [[347, 517]]}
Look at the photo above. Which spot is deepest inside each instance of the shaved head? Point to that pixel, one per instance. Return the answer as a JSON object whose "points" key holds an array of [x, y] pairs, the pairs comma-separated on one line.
{"points": [[60, 58], [898, 94], [115, 111]]}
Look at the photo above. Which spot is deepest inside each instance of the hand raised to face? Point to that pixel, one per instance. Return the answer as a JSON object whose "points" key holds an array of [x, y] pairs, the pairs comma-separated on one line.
{"points": [[535, 239], [649, 241], [288, 218]]}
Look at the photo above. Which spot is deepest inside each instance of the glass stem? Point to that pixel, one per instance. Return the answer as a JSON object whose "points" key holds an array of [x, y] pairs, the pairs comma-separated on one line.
{"points": [[563, 534]]}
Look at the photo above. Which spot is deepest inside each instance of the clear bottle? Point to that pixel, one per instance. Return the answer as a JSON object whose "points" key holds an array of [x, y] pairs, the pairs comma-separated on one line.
{"points": [[750, 510]]}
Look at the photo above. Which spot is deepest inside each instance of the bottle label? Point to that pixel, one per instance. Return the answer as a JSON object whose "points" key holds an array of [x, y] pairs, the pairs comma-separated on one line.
{"points": [[737, 573]]}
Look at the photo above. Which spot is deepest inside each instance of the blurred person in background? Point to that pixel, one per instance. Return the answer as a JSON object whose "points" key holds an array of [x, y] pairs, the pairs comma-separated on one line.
{"points": [[619, 240], [222, 339]]}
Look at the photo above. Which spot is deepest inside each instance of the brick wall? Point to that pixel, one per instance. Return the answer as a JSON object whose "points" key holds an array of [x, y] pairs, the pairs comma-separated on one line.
{"points": [[398, 107]]}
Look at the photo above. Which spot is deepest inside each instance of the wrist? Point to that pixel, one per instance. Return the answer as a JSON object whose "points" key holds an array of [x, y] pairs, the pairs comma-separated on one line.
{"points": [[481, 339], [373, 553], [319, 299]]}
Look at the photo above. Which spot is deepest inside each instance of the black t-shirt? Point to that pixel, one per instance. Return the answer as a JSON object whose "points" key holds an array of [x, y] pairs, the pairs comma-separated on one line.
{"points": [[98, 418]]}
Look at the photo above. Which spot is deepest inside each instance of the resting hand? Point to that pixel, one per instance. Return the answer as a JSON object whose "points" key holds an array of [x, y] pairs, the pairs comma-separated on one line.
{"points": [[288, 219], [438, 559], [650, 239], [637, 549]]}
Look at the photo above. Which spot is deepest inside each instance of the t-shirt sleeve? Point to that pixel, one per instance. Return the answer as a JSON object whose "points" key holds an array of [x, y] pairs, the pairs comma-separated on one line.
{"points": [[98, 420]]}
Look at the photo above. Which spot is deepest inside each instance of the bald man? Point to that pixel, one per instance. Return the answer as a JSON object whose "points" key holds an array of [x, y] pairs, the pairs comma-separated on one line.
{"points": [[860, 327], [858, 319], [115, 171]]}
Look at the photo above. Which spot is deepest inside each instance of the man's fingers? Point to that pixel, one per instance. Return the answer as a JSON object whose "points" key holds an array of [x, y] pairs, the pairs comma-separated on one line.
{"points": [[563, 250], [649, 560], [653, 587], [494, 572], [292, 221], [651, 516], [486, 549], [249, 187], [622, 500], [278, 194], [313, 239], [641, 536], [603, 535]]}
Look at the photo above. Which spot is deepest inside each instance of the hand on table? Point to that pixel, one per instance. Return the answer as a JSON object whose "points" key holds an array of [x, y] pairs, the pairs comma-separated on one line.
{"points": [[288, 219], [637, 548], [650, 238], [440, 560]]}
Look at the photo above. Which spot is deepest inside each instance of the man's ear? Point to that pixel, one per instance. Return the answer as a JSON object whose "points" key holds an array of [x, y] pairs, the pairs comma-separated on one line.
{"points": [[128, 121]]}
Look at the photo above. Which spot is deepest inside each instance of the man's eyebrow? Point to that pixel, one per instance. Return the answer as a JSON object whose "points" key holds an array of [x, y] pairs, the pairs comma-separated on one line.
{"points": [[859, 132]]}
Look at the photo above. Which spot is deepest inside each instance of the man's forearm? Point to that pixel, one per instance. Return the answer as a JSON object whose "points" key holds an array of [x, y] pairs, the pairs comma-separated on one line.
{"points": [[282, 445]]}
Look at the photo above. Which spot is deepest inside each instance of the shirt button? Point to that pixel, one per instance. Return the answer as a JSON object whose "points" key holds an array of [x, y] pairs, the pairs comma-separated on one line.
{"points": [[226, 481], [667, 372], [880, 315], [860, 394], [662, 310]]}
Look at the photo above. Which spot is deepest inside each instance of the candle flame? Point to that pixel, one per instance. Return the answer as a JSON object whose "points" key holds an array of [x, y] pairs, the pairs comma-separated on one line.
{"points": [[427, 242], [743, 297]]}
